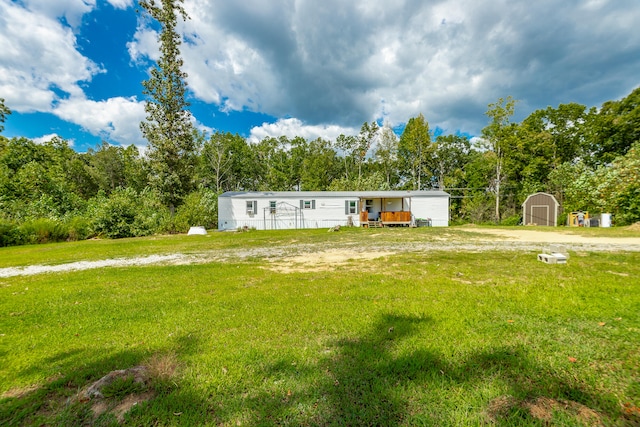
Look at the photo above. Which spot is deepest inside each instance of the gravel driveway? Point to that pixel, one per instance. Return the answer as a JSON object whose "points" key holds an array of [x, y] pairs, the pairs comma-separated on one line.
{"points": [[484, 240]]}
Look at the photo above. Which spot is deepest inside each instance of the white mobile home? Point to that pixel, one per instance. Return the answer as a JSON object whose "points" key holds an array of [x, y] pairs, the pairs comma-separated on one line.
{"points": [[323, 209]]}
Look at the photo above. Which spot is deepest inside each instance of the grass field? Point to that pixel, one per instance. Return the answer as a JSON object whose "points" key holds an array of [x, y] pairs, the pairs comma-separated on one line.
{"points": [[408, 338]]}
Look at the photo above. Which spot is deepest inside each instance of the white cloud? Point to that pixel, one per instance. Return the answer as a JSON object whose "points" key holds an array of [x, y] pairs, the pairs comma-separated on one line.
{"points": [[41, 69], [144, 44], [294, 127], [38, 55], [116, 119], [349, 62], [334, 64], [71, 10], [120, 4], [46, 138]]}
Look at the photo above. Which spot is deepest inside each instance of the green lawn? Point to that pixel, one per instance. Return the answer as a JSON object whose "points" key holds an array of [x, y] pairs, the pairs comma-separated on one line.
{"points": [[430, 338]]}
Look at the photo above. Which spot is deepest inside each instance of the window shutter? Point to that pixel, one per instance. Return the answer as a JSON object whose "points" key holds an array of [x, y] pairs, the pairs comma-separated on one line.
{"points": [[357, 206], [301, 204], [313, 204], [255, 207], [346, 207]]}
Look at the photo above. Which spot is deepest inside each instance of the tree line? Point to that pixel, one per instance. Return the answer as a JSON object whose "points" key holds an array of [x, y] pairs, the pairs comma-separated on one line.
{"points": [[589, 158]]}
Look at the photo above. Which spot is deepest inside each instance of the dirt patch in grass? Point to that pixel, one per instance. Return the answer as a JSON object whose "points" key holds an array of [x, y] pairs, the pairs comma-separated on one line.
{"points": [[122, 407], [19, 392], [323, 261], [537, 236], [634, 227], [544, 409]]}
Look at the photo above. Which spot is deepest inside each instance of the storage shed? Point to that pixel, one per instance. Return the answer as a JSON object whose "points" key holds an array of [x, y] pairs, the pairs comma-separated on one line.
{"points": [[540, 209]]}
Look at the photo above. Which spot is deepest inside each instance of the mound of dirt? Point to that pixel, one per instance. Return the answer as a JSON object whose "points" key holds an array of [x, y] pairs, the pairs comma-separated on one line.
{"points": [[634, 227], [101, 401]]}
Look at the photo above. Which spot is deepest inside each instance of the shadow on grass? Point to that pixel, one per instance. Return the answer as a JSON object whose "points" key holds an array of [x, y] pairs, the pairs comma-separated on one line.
{"points": [[365, 381], [361, 380], [55, 401]]}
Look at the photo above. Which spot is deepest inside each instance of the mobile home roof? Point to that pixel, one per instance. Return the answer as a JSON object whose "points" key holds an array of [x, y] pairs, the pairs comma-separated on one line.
{"points": [[333, 194]]}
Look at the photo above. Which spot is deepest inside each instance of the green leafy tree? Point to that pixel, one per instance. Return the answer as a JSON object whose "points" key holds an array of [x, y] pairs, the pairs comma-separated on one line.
{"points": [[476, 201], [546, 139], [136, 168], [413, 151], [374, 181], [37, 179], [20, 151], [4, 112], [615, 128], [449, 156], [579, 185], [216, 158], [168, 126], [348, 145], [275, 167], [245, 165], [559, 131], [228, 163], [320, 167], [299, 149], [386, 155], [366, 137], [619, 186], [112, 167], [108, 167], [499, 136], [81, 176]]}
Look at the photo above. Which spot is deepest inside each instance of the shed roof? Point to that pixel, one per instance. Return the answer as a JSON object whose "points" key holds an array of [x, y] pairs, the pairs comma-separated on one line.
{"points": [[550, 196], [333, 194]]}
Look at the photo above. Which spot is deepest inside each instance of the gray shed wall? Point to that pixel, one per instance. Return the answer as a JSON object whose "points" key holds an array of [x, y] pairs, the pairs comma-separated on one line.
{"points": [[540, 209]]}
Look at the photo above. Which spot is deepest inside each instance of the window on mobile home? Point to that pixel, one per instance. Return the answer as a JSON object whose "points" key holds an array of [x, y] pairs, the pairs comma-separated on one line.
{"points": [[252, 207], [307, 204]]}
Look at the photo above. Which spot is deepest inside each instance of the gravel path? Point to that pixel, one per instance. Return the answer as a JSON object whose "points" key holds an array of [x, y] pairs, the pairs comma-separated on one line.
{"points": [[502, 240]]}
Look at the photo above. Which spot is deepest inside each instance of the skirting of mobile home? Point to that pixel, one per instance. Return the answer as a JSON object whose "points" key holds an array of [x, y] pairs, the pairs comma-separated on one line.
{"points": [[325, 209]]}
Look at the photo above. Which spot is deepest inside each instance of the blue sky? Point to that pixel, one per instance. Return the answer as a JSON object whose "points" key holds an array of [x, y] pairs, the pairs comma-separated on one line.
{"points": [[73, 68]]}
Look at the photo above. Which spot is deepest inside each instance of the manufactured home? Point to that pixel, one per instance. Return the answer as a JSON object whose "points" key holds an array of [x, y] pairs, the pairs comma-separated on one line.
{"points": [[324, 209]]}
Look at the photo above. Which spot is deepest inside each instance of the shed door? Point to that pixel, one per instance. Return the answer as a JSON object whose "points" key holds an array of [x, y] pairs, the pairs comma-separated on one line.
{"points": [[540, 214]]}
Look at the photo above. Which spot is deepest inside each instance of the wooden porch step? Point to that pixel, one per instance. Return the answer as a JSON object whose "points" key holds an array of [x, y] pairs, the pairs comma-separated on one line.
{"points": [[374, 224]]}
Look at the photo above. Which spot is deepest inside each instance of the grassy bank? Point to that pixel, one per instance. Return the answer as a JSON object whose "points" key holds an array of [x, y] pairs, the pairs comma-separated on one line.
{"points": [[438, 338]]}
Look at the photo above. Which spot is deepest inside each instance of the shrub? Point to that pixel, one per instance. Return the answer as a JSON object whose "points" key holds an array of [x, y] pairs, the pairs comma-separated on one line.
{"points": [[562, 220], [125, 213], [113, 216], [10, 233], [43, 230], [79, 228], [199, 208], [478, 208], [512, 220], [152, 216]]}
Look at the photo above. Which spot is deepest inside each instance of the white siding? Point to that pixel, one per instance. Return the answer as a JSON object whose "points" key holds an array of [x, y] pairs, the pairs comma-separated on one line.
{"points": [[226, 218], [328, 212], [328, 209], [434, 208]]}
